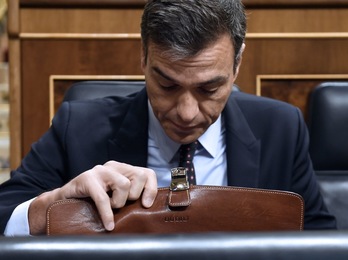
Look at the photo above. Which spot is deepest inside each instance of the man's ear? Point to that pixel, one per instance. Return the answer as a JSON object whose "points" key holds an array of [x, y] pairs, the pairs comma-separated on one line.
{"points": [[240, 54]]}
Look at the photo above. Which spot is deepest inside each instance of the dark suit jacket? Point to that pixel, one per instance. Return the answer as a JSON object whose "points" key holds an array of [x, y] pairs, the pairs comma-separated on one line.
{"points": [[267, 147]]}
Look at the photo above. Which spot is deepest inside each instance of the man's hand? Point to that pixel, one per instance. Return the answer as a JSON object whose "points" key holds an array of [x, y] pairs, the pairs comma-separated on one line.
{"points": [[123, 181]]}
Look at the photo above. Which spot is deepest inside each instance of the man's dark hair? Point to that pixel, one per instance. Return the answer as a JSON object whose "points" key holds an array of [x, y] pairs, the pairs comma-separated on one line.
{"points": [[183, 28]]}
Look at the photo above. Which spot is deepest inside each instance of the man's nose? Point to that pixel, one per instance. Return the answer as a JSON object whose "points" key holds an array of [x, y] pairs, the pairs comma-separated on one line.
{"points": [[187, 107]]}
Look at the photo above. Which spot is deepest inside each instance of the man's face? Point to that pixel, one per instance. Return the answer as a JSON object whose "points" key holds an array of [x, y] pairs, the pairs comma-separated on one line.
{"points": [[188, 95]]}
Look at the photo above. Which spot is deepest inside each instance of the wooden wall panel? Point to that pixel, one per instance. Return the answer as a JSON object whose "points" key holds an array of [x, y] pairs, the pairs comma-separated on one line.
{"points": [[310, 19], [277, 54], [283, 3], [293, 89], [101, 37], [45, 57], [74, 20]]}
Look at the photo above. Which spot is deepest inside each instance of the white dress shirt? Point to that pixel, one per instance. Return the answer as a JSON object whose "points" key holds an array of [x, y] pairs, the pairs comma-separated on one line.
{"points": [[209, 161]]}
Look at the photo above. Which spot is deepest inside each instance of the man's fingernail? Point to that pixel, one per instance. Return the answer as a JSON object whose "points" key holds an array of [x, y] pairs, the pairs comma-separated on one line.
{"points": [[110, 226], [148, 202]]}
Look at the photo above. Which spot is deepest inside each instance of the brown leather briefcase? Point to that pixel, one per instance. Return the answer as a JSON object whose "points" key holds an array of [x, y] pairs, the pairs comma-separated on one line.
{"points": [[184, 209]]}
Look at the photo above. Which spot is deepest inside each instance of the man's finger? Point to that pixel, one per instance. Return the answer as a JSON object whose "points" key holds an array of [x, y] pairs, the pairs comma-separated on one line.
{"points": [[102, 202], [150, 189]]}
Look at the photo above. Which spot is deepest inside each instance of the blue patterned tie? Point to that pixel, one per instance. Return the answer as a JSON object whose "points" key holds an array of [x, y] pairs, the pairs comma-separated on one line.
{"points": [[186, 153]]}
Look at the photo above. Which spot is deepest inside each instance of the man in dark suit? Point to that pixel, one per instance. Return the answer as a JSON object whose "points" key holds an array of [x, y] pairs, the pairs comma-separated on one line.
{"points": [[125, 146]]}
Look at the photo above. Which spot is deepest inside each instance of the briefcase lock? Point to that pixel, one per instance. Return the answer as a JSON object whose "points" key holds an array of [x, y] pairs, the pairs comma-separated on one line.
{"points": [[179, 179]]}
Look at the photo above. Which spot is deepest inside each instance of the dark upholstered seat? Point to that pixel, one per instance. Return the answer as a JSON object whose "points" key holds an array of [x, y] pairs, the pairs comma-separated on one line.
{"points": [[98, 89], [103, 88], [328, 129]]}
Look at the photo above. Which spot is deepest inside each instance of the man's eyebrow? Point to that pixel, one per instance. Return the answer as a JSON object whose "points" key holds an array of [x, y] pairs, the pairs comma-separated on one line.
{"points": [[163, 75], [215, 80]]}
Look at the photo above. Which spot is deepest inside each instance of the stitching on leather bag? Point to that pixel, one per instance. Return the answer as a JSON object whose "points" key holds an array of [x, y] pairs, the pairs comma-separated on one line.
{"points": [[179, 204], [284, 193], [207, 187], [57, 203]]}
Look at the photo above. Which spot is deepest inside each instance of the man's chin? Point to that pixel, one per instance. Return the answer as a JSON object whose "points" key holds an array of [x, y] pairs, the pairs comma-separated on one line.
{"points": [[183, 138]]}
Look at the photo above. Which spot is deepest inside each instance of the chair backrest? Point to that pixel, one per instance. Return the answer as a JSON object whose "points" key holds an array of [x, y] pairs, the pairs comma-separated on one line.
{"points": [[102, 88], [328, 126], [328, 129]]}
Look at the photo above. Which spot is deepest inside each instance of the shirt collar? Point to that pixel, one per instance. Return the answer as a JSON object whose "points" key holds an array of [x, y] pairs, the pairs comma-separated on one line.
{"points": [[168, 148]]}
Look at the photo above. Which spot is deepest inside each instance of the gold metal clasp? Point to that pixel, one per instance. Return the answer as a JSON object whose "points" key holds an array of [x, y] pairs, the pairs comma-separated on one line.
{"points": [[179, 179]]}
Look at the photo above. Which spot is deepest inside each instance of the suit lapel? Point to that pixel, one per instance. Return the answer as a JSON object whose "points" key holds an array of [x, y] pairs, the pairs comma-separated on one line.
{"points": [[243, 149], [129, 144]]}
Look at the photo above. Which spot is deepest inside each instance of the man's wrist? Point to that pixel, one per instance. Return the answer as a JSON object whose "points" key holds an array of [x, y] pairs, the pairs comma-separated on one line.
{"points": [[18, 224], [37, 211]]}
